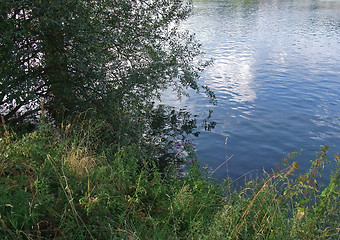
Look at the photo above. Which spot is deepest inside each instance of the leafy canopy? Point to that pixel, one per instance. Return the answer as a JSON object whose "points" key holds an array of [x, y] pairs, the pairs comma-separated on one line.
{"points": [[111, 56]]}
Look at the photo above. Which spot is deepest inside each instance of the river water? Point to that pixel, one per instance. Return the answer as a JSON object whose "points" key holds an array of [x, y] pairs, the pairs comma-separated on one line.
{"points": [[276, 76]]}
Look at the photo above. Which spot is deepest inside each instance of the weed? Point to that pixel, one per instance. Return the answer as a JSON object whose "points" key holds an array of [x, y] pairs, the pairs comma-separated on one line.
{"points": [[67, 184]]}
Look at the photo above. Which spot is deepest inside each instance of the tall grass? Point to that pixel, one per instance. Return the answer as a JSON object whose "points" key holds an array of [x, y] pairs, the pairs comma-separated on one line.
{"points": [[67, 184]]}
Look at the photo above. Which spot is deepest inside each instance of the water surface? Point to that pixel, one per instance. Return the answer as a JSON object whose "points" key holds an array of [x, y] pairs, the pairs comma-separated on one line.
{"points": [[276, 75]]}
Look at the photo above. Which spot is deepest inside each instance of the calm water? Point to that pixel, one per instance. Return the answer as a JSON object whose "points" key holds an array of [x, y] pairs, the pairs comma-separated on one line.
{"points": [[276, 75]]}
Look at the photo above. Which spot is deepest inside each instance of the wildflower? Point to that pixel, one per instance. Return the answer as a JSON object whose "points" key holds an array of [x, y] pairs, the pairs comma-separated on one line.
{"points": [[295, 165], [191, 160], [300, 213]]}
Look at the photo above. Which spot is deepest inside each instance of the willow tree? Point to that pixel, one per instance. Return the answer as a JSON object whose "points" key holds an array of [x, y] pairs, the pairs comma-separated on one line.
{"points": [[112, 56]]}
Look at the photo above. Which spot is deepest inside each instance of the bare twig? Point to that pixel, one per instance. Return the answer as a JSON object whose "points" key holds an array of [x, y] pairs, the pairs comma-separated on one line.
{"points": [[225, 162]]}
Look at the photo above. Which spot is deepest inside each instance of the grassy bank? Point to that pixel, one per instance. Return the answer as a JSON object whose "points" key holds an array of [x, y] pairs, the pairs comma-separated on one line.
{"points": [[64, 184]]}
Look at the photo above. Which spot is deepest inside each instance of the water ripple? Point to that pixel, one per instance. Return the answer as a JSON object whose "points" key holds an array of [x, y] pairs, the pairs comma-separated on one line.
{"points": [[276, 76]]}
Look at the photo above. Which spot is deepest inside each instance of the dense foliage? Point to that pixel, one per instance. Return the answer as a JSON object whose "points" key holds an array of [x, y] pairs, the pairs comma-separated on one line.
{"points": [[69, 186], [101, 59], [112, 56]]}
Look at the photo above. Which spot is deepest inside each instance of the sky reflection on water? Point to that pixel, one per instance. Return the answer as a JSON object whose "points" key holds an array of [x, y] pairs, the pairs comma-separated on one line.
{"points": [[276, 75]]}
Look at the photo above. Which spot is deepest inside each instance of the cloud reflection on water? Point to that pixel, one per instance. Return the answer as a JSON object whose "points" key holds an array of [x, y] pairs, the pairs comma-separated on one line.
{"points": [[275, 75], [231, 77]]}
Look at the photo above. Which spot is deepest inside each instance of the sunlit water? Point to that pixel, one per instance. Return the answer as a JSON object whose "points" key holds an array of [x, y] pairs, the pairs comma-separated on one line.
{"points": [[276, 75]]}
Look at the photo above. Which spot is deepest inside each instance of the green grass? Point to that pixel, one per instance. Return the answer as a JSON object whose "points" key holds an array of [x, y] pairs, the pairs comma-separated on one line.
{"points": [[66, 184]]}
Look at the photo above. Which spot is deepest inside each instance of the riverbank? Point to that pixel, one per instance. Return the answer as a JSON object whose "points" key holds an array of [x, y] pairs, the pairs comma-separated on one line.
{"points": [[65, 184]]}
